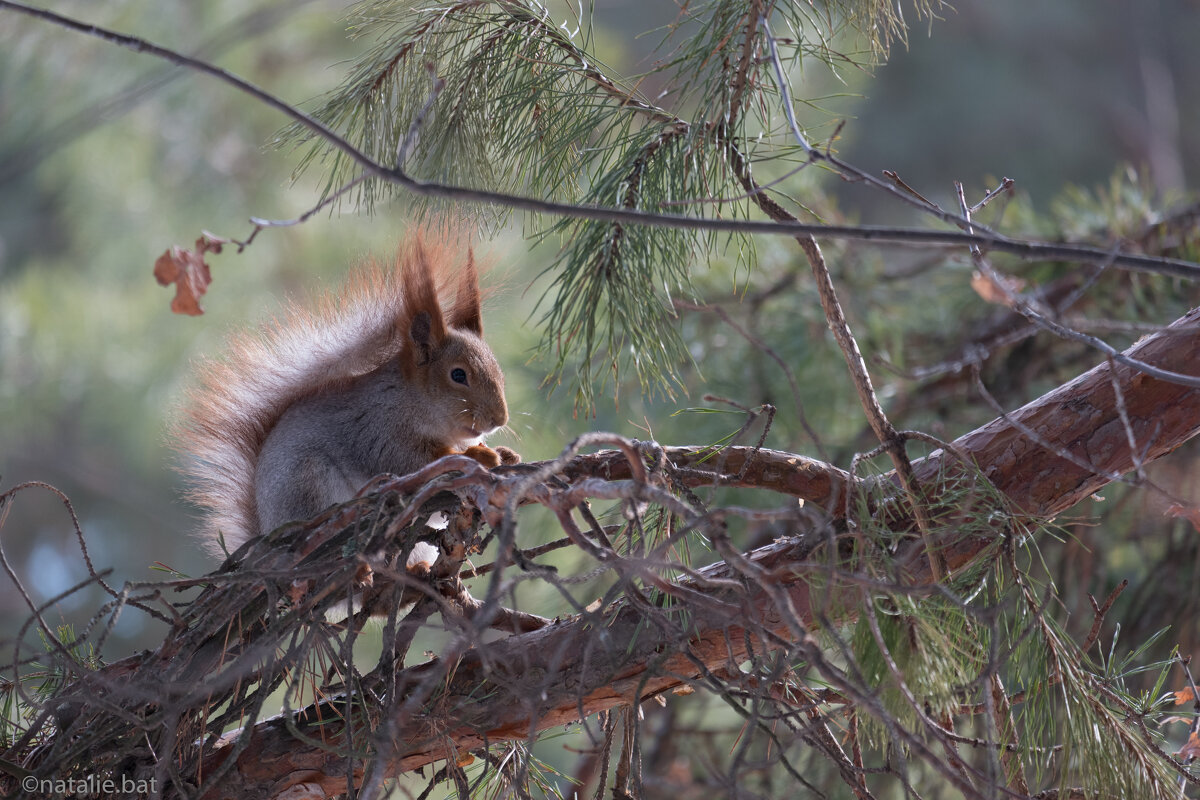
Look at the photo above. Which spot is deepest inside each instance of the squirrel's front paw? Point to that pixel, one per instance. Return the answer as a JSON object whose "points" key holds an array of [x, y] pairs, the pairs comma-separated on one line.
{"points": [[508, 456], [484, 455]]}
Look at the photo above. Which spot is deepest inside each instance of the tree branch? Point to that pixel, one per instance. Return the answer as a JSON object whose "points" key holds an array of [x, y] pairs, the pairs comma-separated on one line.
{"points": [[816, 482], [567, 670]]}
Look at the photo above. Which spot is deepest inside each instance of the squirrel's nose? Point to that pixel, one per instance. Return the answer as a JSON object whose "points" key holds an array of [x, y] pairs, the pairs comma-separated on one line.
{"points": [[500, 414]]}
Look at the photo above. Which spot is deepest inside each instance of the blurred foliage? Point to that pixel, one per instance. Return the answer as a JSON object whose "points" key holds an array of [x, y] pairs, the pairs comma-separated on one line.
{"points": [[1049, 94]]}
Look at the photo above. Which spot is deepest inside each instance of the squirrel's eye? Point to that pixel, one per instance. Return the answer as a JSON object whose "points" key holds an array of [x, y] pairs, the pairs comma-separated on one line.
{"points": [[459, 375]]}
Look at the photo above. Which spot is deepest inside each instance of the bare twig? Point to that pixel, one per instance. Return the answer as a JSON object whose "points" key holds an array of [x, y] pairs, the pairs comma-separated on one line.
{"points": [[1028, 250], [781, 83], [1101, 612], [888, 436], [262, 224], [788, 373]]}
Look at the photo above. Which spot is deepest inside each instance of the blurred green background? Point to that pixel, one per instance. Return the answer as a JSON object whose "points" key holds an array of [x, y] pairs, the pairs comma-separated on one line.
{"points": [[108, 157]]}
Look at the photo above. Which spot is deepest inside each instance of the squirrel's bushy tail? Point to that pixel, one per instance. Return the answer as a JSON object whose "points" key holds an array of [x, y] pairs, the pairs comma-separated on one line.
{"points": [[225, 419]]}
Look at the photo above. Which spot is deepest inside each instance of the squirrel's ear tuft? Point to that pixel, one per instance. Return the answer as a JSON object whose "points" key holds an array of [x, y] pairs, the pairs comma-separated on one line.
{"points": [[465, 314], [420, 331], [421, 322]]}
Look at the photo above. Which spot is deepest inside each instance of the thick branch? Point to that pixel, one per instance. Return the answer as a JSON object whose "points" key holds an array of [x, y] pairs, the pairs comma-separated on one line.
{"points": [[1081, 418], [811, 480], [552, 676]]}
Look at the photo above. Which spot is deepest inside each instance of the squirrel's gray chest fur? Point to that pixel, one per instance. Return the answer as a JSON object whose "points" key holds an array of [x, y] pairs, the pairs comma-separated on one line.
{"points": [[328, 446]]}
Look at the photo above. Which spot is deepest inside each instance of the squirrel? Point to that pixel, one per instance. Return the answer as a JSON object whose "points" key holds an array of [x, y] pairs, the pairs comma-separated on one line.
{"points": [[377, 378]]}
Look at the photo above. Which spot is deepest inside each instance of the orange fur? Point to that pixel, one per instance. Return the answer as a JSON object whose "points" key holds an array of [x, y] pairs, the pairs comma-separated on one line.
{"points": [[484, 455]]}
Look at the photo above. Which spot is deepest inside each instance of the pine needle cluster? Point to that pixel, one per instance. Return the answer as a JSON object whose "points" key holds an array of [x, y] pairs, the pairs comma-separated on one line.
{"points": [[502, 96]]}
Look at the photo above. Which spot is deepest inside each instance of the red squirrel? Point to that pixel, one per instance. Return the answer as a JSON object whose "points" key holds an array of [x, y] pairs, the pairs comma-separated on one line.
{"points": [[377, 378]]}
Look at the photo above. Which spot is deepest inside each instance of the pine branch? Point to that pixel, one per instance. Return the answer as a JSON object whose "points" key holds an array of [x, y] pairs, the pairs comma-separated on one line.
{"points": [[552, 106]]}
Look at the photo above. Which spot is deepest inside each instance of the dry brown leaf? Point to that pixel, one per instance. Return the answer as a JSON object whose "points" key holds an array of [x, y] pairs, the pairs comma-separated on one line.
{"points": [[1184, 696], [189, 272], [1190, 513], [1191, 750], [996, 288]]}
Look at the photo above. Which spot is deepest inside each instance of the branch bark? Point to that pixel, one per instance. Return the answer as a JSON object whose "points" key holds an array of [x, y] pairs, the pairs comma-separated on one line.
{"points": [[590, 663], [808, 479]]}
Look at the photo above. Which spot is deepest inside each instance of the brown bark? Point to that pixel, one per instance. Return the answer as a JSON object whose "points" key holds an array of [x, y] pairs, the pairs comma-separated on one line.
{"points": [[538, 680], [813, 481]]}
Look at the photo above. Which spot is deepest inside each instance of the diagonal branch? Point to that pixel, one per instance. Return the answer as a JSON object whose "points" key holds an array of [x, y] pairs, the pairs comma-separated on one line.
{"points": [[876, 235]]}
